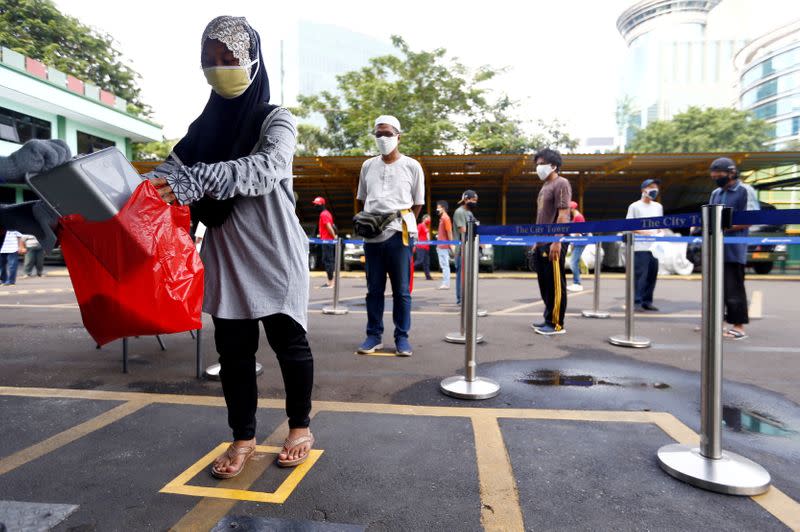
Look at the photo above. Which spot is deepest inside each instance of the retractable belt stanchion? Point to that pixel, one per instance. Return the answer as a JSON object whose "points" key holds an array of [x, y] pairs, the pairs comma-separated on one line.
{"points": [[466, 257], [628, 339], [598, 265], [470, 386], [336, 309], [708, 466]]}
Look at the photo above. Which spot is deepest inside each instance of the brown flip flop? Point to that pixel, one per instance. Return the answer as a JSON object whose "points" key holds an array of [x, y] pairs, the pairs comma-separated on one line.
{"points": [[232, 453], [288, 444]]}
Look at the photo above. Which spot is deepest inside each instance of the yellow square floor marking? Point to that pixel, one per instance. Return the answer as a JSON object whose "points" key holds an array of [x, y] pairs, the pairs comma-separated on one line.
{"points": [[179, 485]]}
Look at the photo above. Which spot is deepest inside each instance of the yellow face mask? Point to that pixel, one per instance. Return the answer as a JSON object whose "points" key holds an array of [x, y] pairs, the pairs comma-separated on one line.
{"points": [[229, 81]]}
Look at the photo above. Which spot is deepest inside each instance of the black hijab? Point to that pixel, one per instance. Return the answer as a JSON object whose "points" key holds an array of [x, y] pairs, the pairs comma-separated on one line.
{"points": [[227, 129]]}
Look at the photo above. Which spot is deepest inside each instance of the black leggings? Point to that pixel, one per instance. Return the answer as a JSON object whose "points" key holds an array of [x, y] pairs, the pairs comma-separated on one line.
{"points": [[237, 343]]}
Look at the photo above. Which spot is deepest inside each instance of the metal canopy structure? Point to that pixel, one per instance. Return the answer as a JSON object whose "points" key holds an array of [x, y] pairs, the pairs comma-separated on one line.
{"points": [[603, 184]]}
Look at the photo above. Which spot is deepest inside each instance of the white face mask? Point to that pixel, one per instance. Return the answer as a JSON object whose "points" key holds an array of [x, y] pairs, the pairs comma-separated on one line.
{"points": [[386, 145], [544, 171]]}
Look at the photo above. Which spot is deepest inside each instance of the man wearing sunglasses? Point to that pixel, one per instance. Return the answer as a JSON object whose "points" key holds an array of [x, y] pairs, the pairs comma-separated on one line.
{"points": [[390, 183]]}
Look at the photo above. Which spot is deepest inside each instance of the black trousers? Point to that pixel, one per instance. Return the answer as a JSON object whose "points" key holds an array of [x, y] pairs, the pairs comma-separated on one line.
{"points": [[237, 343], [422, 258], [329, 259], [735, 295], [552, 279], [645, 270]]}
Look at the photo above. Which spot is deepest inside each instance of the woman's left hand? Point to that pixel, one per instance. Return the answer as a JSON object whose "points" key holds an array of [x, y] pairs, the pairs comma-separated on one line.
{"points": [[163, 189]]}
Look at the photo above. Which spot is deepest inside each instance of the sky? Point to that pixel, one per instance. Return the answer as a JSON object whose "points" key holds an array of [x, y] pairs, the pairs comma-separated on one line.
{"points": [[564, 57]]}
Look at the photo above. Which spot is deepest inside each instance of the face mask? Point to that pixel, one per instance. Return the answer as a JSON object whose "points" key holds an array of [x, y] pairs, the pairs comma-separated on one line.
{"points": [[652, 194], [229, 81], [471, 205], [386, 145], [722, 181], [543, 171]]}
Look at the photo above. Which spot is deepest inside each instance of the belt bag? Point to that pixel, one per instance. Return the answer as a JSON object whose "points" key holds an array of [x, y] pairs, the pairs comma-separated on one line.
{"points": [[371, 225]]}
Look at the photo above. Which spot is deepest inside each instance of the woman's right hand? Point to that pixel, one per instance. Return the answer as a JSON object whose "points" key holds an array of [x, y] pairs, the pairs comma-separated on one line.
{"points": [[164, 189]]}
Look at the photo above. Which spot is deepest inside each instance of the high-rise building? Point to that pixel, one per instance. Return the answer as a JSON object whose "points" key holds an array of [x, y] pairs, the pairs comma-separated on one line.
{"points": [[676, 59], [769, 83]]}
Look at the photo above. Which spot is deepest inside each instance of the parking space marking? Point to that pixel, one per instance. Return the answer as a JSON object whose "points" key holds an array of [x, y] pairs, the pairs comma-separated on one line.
{"points": [[61, 439], [756, 310], [512, 310], [180, 484], [27, 305], [362, 296], [378, 354], [36, 291], [774, 501], [500, 508]]}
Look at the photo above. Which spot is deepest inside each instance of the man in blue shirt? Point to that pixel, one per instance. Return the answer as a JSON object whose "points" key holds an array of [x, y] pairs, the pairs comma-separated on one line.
{"points": [[732, 193]]}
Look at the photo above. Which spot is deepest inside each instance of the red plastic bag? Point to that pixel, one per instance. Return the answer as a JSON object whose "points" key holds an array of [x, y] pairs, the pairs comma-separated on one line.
{"points": [[138, 273]]}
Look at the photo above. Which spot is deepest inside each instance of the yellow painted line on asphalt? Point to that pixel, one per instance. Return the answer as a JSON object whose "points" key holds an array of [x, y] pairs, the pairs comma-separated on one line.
{"points": [[30, 305], [36, 291], [775, 502], [179, 485], [206, 513], [61, 439], [362, 296], [389, 311], [378, 354], [500, 508], [512, 310], [756, 310]]}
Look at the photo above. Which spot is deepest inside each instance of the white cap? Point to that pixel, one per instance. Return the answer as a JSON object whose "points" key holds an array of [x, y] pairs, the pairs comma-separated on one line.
{"points": [[389, 120]]}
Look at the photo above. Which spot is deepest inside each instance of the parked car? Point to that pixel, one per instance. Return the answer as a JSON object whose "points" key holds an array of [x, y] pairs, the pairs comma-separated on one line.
{"points": [[760, 257]]}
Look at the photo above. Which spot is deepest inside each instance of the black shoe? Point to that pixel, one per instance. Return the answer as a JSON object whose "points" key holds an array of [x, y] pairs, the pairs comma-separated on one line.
{"points": [[650, 307]]}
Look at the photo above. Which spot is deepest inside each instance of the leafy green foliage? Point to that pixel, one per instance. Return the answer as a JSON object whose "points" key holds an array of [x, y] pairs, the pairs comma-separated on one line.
{"points": [[703, 130], [153, 151], [443, 107], [39, 30]]}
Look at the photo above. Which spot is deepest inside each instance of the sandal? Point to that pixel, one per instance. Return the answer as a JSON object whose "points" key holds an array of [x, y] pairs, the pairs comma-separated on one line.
{"points": [[233, 452], [288, 444], [733, 334]]}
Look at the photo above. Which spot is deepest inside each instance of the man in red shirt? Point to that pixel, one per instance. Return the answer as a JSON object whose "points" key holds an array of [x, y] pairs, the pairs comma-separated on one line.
{"points": [[422, 251], [327, 231], [577, 251]]}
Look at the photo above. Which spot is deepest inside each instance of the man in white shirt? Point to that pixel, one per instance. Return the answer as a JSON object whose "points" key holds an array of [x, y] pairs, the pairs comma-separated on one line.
{"points": [[9, 257], [390, 183], [646, 265]]}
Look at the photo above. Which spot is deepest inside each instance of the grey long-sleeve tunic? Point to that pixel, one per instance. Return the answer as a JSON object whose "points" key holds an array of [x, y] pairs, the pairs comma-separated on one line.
{"points": [[257, 261]]}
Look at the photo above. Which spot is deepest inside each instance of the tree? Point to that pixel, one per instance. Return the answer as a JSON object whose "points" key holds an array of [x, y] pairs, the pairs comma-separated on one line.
{"points": [[39, 30], [153, 151], [443, 107], [703, 130]]}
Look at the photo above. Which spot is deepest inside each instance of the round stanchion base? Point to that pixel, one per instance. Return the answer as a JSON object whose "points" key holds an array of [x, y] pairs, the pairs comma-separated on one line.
{"points": [[338, 311], [732, 474], [460, 388], [482, 313], [212, 371], [458, 338], [634, 341], [599, 314]]}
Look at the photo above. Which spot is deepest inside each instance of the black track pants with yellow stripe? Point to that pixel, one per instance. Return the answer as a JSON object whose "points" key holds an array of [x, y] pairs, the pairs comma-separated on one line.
{"points": [[552, 279]]}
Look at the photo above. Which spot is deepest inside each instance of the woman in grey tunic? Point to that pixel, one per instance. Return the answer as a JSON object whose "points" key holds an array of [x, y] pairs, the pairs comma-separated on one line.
{"points": [[235, 168]]}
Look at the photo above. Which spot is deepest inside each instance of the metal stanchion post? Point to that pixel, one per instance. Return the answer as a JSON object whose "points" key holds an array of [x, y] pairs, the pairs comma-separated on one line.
{"points": [[598, 265], [466, 257], [198, 339], [336, 309], [470, 386], [628, 339], [708, 466], [125, 355]]}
